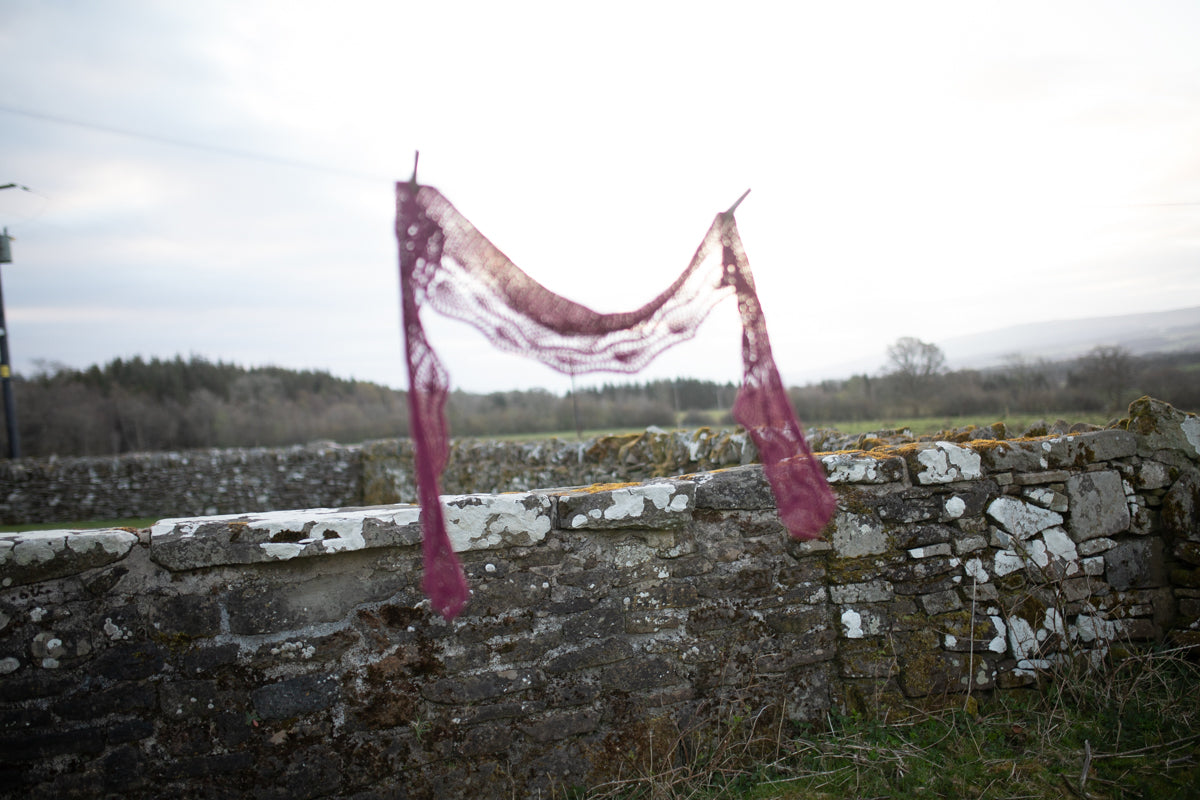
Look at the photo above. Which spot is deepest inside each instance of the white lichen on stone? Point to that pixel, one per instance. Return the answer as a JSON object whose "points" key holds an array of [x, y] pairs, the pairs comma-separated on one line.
{"points": [[852, 624], [476, 522], [955, 506], [940, 549], [284, 550], [1022, 638], [631, 503], [628, 502], [1191, 431], [947, 463], [1092, 629], [328, 530], [856, 535], [1022, 519], [848, 468], [1007, 561], [999, 643], [975, 571], [32, 548], [1062, 546]]}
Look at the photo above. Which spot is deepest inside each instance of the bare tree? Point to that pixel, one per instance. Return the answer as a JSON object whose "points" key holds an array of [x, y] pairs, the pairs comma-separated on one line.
{"points": [[1109, 371], [915, 360], [914, 366]]}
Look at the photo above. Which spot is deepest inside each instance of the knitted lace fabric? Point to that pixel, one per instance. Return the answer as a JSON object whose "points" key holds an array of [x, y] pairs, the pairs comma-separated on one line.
{"points": [[448, 265]]}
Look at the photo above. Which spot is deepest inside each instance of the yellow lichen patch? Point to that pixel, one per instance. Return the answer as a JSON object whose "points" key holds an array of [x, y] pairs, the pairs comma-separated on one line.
{"points": [[878, 455], [602, 487], [606, 447]]}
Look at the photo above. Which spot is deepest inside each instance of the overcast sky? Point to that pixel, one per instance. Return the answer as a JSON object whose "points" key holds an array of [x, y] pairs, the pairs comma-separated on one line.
{"points": [[216, 178]]}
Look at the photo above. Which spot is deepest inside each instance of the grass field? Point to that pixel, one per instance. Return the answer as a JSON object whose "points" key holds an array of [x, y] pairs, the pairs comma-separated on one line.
{"points": [[918, 425], [924, 425]]}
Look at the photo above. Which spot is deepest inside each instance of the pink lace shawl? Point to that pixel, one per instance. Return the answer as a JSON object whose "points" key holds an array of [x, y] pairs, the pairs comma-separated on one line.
{"points": [[447, 264]]}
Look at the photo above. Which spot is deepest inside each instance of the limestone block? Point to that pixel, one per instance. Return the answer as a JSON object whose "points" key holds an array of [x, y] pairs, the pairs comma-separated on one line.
{"points": [[1022, 519], [1022, 456], [862, 468], [1151, 475], [922, 536], [981, 634], [1041, 477], [1060, 548], [295, 696], [1135, 564], [943, 462], [1093, 546], [864, 621], [1181, 505], [663, 504], [481, 522], [1046, 497], [734, 488], [869, 592], [1081, 449], [970, 543], [1163, 427], [916, 505], [940, 602], [1098, 506], [41, 555], [192, 543], [856, 535]]}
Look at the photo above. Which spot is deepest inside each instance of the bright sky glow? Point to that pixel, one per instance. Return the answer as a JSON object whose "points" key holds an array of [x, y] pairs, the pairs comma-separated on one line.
{"points": [[918, 169]]}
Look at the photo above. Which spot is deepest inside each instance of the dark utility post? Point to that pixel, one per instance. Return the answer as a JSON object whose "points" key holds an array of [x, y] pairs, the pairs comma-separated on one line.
{"points": [[10, 409]]}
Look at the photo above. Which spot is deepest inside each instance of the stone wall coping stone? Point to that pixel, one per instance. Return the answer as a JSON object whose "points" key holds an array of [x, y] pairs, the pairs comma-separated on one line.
{"points": [[862, 467], [194, 542], [658, 504], [32, 556]]}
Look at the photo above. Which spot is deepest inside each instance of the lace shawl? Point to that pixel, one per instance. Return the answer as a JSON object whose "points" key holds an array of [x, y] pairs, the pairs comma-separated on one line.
{"points": [[446, 264]]}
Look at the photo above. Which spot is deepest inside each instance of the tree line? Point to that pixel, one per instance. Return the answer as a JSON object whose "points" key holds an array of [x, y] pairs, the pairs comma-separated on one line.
{"points": [[151, 405], [139, 405], [135, 404], [917, 384]]}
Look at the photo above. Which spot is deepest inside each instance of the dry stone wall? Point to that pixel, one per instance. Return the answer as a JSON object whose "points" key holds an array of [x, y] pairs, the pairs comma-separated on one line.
{"points": [[213, 482], [292, 654], [174, 484]]}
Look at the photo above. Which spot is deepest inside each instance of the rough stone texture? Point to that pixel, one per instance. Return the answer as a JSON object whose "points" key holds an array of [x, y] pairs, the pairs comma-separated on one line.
{"points": [[37, 555], [179, 484], [1097, 502], [1022, 519], [660, 504], [943, 462], [1162, 427], [280, 535], [294, 655], [862, 468], [736, 487]]}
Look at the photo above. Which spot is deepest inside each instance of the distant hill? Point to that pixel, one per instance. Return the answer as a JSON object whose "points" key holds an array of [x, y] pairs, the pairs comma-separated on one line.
{"points": [[1158, 332]]}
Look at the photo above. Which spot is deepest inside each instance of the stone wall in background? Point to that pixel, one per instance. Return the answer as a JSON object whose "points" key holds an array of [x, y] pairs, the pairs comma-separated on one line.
{"points": [[193, 482], [325, 475], [293, 655], [209, 482]]}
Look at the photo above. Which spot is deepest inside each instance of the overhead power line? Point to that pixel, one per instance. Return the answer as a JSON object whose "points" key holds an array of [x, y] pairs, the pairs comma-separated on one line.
{"points": [[221, 150]]}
